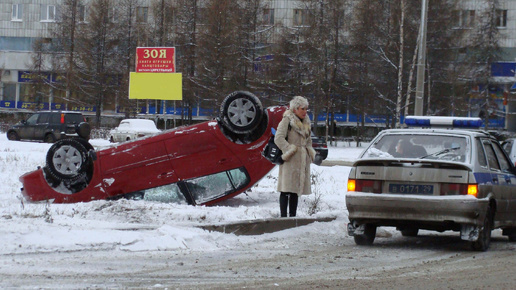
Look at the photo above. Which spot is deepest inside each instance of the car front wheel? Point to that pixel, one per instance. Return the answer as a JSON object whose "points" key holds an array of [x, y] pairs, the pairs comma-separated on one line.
{"points": [[241, 112], [13, 136]]}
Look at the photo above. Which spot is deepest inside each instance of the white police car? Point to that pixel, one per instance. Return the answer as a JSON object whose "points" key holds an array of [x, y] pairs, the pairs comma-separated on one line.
{"points": [[433, 178]]}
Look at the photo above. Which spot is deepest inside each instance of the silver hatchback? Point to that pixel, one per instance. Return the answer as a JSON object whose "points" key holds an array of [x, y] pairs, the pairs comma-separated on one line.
{"points": [[433, 179]]}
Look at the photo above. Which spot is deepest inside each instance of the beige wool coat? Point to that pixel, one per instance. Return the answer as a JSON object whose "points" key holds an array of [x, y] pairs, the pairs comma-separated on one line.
{"points": [[294, 173]]}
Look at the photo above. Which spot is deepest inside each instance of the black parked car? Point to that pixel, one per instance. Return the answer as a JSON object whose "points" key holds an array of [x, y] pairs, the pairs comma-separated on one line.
{"points": [[50, 126], [321, 147]]}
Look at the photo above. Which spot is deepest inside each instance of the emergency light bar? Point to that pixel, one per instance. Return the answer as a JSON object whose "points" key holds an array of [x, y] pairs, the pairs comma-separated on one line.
{"points": [[443, 122]]}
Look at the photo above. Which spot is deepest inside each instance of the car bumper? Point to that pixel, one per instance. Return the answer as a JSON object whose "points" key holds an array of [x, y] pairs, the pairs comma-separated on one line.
{"points": [[391, 209]]}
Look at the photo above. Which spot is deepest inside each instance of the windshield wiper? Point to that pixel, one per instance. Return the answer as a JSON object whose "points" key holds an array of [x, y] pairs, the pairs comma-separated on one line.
{"points": [[440, 152]]}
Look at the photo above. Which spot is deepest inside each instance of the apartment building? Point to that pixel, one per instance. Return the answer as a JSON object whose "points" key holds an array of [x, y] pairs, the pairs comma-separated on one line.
{"points": [[22, 22]]}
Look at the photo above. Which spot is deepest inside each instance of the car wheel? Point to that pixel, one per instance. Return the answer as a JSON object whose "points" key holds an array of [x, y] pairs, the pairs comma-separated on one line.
{"points": [[318, 159], [409, 232], [367, 238], [241, 112], [512, 237], [13, 136], [484, 236], [49, 138], [67, 160]]}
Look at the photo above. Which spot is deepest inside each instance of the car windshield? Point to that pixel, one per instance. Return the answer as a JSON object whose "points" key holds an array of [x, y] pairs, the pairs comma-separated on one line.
{"points": [[435, 147]]}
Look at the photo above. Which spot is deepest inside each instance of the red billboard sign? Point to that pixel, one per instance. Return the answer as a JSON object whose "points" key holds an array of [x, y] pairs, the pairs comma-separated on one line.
{"points": [[156, 59]]}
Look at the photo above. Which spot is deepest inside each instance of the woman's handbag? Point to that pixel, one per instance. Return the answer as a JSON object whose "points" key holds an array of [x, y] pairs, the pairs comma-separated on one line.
{"points": [[271, 151]]}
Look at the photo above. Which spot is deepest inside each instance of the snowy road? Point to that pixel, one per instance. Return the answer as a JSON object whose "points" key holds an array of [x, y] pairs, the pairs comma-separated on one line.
{"points": [[304, 258]]}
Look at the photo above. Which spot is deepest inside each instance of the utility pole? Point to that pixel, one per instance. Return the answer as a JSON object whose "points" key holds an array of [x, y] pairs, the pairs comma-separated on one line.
{"points": [[421, 62]]}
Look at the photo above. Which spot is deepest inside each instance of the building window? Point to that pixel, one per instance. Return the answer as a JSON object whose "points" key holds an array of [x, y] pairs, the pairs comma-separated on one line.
{"points": [[268, 16], [301, 17], [81, 13], [17, 12], [48, 13], [463, 18], [9, 92], [142, 14], [501, 18]]}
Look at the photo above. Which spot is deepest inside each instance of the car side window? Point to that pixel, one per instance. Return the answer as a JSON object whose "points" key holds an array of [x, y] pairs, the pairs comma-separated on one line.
{"points": [[505, 166], [43, 118], [491, 155], [507, 146], [169, 193], [480, 154], [33, 119], [55, 118], [210, 187]]}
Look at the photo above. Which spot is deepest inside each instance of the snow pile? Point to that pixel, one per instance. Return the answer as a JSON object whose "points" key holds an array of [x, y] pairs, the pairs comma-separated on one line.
{"points": [[150, 226]]}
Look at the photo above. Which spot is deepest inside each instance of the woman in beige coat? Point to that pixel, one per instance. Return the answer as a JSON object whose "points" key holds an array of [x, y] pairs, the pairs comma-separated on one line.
{"points": [[294, 140]]}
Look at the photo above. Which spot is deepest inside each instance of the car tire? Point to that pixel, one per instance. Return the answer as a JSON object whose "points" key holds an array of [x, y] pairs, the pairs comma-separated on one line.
{"points": [[512, 237], [484, 236], [367, 238], [409, 232], [49, 138], [67, 160], [318, 159], [13, 136], [241, 112]]}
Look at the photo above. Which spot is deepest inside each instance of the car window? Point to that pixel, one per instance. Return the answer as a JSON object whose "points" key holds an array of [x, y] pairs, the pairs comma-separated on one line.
{"points": [[33, 119], [43, 118], [73, 118], [481, 157], [505, 165], [440, 147], [169, 193], [210, 187], [491, 155], [55, 118], [124, 125], [507, 146]]}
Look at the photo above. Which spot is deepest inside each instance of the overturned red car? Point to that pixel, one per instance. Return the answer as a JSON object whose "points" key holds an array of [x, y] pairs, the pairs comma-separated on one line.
{"points": [[199, 164]]}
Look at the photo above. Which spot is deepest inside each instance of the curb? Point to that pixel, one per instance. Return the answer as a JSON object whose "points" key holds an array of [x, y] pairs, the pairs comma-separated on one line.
{"points": [[262, 226]]}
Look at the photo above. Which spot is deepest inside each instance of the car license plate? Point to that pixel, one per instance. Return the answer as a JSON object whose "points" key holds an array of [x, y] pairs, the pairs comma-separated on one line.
{"points": [[411, 188]]}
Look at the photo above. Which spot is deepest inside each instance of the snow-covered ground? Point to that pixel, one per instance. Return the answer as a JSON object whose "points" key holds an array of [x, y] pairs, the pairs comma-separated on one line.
{"points": [[34, 228]]}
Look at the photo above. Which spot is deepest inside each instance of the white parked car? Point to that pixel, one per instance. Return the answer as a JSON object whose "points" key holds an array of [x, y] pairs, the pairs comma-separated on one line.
{"points": [[130, 129]]}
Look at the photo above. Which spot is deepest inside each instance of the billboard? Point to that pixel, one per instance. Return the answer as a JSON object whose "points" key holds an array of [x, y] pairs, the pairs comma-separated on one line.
{"points": [[156, 59]]}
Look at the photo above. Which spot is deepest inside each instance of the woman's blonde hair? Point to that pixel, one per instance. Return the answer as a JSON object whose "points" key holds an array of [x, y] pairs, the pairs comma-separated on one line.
{"points": [[298, 102]]}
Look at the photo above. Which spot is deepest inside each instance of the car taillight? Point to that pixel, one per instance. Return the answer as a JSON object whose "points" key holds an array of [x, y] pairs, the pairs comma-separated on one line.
{"points": [[473, 189], [459, 189], [62, 118], [351, 185], [365, 185]]}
